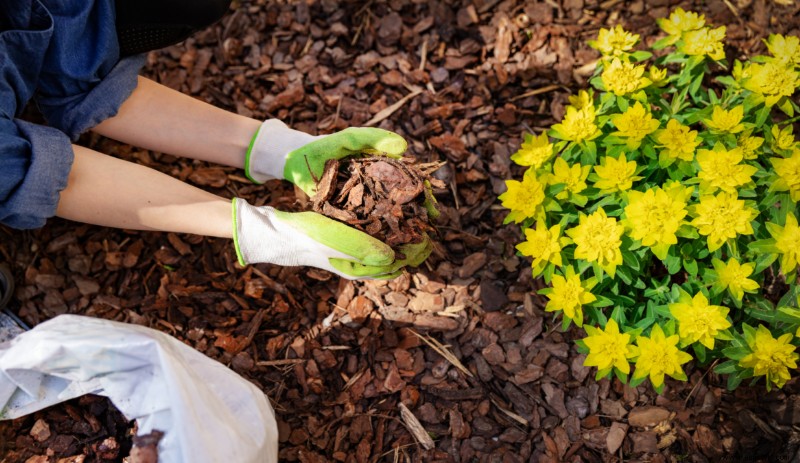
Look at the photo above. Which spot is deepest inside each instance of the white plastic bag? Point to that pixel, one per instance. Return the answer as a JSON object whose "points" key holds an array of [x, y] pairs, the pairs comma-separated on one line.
{"points": [[208, 412]]}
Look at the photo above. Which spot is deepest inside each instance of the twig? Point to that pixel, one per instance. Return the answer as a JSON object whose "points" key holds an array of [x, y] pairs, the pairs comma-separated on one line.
{"points": [[694, 388], [386, 112], [316, 180], [537, 91], [733, 9], [278, 363], [444, 352]]}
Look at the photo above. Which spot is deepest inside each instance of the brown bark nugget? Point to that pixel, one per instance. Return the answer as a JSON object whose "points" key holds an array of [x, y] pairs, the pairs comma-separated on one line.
{"points": [[389, 199]]}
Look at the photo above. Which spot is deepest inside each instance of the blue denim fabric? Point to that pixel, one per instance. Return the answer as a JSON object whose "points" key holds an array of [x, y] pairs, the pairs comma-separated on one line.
{"points": [[64, 55]]}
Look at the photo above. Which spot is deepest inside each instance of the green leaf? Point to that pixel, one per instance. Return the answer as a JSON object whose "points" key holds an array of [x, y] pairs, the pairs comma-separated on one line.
{"points": [[645, 323], [736, 353], [690, 265], [790, 298], [629, 259], [734, 381], [673, 263], [762, 246], [622, 377], [764, 261], [602, 301], [762, 116], [622, 104], [785, 105], [726, 368], [624, 274], [699, 352], [694, 89], [664, 42], [641, 56]]}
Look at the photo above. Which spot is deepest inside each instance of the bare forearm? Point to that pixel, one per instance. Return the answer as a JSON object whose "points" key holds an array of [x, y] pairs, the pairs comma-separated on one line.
{"points": [[158, 118], [103, 190]]}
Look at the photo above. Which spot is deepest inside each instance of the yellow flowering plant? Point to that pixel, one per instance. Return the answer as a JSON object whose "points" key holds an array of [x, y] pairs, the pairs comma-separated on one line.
{"points": [[662, 210]]}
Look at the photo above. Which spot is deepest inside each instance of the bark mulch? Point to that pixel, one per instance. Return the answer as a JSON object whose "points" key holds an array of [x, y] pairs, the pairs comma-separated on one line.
{"points": [[454, 361]]}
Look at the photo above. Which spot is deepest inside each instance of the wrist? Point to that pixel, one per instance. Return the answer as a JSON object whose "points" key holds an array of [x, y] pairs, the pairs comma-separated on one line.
{"points": [[265, 158]]}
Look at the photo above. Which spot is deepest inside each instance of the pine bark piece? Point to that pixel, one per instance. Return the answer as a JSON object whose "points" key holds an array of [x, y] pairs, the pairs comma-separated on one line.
{"points": [[415, 427], [381, 196]]}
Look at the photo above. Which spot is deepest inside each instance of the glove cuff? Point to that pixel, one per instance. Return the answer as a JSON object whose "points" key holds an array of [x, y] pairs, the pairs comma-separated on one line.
{"points": [[255, 236], [266, 155], [237, 230]]}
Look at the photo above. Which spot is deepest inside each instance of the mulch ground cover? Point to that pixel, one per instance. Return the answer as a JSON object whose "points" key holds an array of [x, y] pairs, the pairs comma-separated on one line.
{"points": [[454, 361]]}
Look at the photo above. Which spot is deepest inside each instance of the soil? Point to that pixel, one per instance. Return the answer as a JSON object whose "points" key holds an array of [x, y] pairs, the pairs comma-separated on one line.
{"points": [[89, 426], [459, 350]]}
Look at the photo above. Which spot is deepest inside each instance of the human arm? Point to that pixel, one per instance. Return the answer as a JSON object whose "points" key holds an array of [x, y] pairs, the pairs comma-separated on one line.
{"points": [[161, 119], [103, 190]]}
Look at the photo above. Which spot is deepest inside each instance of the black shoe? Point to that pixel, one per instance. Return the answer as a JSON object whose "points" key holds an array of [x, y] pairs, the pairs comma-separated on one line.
{"points": [[6, 286]]}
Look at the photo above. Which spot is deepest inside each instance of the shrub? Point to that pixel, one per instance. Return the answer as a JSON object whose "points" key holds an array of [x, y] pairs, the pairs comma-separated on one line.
{"points": [[662, 210]]}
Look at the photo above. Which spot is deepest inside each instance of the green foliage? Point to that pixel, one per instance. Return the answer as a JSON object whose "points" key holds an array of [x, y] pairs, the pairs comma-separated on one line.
{"points": [[667, 201]]}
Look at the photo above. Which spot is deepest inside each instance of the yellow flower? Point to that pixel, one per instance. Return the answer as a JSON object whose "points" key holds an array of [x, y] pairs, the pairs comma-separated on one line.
{"points": [[543, 245], [726, 121], [608, 348], [654, 216], [681, 21], [615, 42], [569, 294], [699, 321], [582, 100], [722, 217], [578, 125], [634, 124], [721, 169], [787, 242], [704, 42], [621, 77], [785, 49], [524, 198], [573, 177], [677, 142], [733, 277], [658, 356], [772, 80], [535, 151], [597, 238], [749, 145], [615, 174], [782, 139], [771, 357], [788, 170], [657, 76]]}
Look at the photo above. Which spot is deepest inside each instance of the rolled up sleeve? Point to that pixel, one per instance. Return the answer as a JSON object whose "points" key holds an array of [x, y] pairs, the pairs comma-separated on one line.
{"points": [[34, 167]]}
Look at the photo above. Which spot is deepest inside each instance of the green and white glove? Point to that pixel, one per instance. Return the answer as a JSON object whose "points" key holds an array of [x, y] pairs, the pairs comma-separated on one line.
{"points": [[264, 234], [276, 151]]}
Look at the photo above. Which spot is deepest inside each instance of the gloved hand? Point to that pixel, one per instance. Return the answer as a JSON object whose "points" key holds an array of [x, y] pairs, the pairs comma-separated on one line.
{"points": [[264, 234], [276, 151]]}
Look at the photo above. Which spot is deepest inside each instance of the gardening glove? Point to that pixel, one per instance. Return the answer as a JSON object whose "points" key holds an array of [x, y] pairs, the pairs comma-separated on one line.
{"points": [[264, 234], [276, 151]]}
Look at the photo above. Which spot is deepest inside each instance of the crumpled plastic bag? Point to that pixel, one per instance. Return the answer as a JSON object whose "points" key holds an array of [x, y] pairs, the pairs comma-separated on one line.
{"points": [[208, 412]]}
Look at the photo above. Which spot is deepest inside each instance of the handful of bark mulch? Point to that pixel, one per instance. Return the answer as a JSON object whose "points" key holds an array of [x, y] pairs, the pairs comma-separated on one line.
{"points": [[88, 429], [389, 199]]}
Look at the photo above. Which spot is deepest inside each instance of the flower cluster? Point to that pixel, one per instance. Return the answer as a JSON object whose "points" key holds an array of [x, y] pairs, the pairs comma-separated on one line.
{"points": [[662, 210]]}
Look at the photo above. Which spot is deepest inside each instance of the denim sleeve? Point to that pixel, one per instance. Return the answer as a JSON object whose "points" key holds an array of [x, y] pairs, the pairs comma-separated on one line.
{"points": [[34, 161], [83, 81], [34, 166]]}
